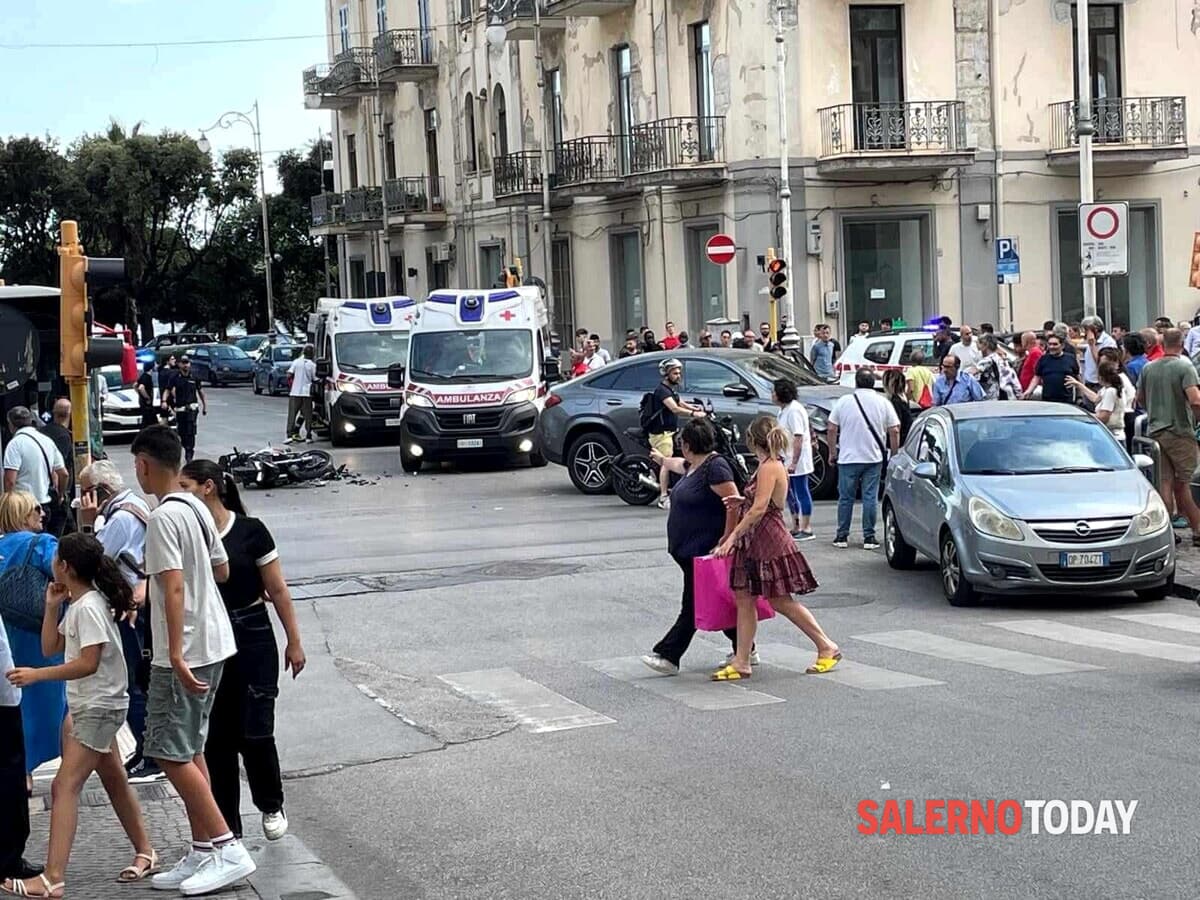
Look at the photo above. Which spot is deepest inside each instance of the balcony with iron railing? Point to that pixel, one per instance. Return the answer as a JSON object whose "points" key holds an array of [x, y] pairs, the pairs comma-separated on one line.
{"points": [[517, 18], [586, 9], [517, 177], [1127, 129], [363, 207], [327, 213], [341, 83], [680, 150], [415, 200], [591, 166], [905, 137], [406, 55]]}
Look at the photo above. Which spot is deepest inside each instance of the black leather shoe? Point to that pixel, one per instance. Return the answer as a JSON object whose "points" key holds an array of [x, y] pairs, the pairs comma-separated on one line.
{"points": [[28, 869]]}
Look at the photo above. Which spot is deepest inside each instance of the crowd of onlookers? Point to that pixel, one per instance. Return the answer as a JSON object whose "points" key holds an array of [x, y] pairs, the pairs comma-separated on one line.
{"points": [[587, 353]]}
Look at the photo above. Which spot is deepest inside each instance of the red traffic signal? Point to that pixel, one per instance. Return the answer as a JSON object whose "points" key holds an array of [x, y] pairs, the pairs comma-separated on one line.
{"points": [[777, 276]]}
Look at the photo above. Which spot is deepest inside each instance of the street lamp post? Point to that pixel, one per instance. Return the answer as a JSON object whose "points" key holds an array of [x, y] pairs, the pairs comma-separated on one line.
{"points": [[790, 339], [225, 121], [1085, 128]]}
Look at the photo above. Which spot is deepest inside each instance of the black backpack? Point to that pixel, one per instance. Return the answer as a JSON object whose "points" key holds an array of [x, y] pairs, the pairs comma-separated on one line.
{"points": [[649, 412]]}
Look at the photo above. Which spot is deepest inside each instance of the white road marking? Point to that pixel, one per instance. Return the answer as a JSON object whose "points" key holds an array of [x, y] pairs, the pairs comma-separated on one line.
{"points": [[692, 689], [849, 673], [1173, 621], [534, 705], [1103, 640], [942, 647]]}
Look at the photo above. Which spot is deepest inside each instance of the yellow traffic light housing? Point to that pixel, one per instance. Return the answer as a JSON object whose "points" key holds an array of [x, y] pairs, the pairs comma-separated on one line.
{"points": [[777, 276]]}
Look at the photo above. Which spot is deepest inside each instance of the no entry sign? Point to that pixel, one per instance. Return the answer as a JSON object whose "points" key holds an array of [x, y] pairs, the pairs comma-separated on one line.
{"points": [[1103, 239], [720, 249]]}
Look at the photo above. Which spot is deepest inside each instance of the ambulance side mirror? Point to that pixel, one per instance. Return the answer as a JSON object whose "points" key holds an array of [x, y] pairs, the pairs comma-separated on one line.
{"points": [[551, 374], [324, 368], [396, 377]]}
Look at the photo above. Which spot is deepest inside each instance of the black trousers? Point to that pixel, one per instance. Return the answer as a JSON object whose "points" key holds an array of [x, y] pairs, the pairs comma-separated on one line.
{"points": [[149, 416], [243, 720], [14, 803], [676, 641], [185, 424]]}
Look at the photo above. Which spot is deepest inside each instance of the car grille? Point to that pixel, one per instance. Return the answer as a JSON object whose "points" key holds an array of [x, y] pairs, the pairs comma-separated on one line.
{"points": [[383, 404], [468, 421], [1083, 576], [1097, 531]]}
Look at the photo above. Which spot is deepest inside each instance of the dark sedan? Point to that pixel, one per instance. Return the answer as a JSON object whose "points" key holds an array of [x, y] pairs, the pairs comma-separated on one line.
{"points": [[221, 364], [585, 420], [272, 366]]}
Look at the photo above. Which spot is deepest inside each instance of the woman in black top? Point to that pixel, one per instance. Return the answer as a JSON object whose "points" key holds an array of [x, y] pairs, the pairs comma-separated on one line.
{"points": [[243, 715], [697, 523], [896, 387]]}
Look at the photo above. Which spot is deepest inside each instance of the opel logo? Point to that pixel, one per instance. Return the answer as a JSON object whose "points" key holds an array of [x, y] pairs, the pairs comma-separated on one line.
{"points": [[1083, 529]]}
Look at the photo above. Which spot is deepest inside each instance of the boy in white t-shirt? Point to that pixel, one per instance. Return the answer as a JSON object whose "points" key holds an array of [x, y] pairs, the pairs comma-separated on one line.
{"points": [[793, 418], [192, 638]]}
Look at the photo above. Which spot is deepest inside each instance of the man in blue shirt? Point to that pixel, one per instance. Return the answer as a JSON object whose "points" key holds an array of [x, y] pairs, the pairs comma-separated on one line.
{"points": [[1135, 355], [824, 352], [955, 387]]}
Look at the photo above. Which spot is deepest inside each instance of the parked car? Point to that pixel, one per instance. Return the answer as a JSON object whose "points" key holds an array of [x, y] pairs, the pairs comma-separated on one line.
{"points": [[1025, 498], [120, 411], [254, 344], [221, 364], [271, 368], [585, 420]]}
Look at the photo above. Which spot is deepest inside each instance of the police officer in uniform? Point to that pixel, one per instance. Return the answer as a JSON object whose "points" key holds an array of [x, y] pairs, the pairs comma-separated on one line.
{"points": [[186, 397]]}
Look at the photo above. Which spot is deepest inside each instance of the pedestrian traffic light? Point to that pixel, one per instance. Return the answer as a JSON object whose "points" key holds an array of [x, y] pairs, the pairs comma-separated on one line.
{"points": [[777, 276], [78, 274]]}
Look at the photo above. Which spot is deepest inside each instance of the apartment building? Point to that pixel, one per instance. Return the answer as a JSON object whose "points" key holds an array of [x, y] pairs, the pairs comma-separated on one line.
{"points": [[659, 125]]}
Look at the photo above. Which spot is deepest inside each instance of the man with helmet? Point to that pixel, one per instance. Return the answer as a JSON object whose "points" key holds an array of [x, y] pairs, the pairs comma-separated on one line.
{"points": [[660, 418]]}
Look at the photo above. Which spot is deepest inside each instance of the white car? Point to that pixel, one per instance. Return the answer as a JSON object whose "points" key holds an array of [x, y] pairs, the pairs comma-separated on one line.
{"points": [[892, 350], [121, 412]]}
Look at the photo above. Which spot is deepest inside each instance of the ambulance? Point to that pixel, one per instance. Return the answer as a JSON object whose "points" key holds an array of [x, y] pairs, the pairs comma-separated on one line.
{"points": [[478, 371], [356, 343]]}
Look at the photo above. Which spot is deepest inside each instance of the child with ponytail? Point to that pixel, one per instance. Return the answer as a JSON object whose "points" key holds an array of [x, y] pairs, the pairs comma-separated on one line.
{"points": [[94, 669]]}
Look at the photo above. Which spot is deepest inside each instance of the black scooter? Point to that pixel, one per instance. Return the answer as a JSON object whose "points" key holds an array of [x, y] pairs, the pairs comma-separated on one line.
{"points": [[273, 466]]}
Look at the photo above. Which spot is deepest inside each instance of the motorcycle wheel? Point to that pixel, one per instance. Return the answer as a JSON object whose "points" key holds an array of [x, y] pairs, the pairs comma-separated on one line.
{"points": [[313, 464], [627, 484]]}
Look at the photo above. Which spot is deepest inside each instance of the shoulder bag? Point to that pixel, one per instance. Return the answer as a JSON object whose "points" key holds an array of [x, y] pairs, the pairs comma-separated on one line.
{"points": [[875, 434], [51, 488], [23, 592]]}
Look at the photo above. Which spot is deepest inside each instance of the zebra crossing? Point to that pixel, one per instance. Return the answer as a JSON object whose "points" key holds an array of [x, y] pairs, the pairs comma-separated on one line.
{"points": [[1106, 638]]}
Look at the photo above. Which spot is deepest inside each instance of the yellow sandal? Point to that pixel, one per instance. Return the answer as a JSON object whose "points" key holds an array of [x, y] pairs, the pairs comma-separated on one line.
{"points": [[824, 664], [729, 673]]}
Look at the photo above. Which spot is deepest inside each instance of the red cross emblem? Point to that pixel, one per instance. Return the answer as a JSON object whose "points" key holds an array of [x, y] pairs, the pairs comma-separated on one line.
{"points": [[508, 315]]}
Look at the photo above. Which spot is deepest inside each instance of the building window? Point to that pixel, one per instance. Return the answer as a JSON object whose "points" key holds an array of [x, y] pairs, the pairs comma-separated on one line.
{"points": [[623, 66], [381, 15], [554, 103], [1104, 50], [491, 262], [431, 153], [343, 15], [877, 77], [358, 277], [625, 257], [352, 161], [500, 142], [389, 149], [564, 289], [888, 268], [705, 100], [470, 160], [1132, 300], [396, 264], [466, 9], [705, 282]]}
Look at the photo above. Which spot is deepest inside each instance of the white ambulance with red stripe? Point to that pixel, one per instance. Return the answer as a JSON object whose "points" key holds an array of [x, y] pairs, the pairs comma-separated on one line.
{"points": [[882, 351], [477, 374]]}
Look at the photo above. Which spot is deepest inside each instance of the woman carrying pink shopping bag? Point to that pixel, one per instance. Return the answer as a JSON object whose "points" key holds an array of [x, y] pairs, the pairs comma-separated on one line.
{"points": [[764, 558], [716, 604]]}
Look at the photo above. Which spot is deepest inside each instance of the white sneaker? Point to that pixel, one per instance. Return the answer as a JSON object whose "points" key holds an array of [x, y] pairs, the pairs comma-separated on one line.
{"points": [[225, 866], [754, 660], [171, 879], [870, 545], [275, 825], [290, 440], [660, 665]]}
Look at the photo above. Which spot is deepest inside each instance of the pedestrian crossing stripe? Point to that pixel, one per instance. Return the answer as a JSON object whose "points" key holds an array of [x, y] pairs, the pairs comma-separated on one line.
{"points": [[1102, 640], [848, 672], [954, 650], [692, 689], [535, 706], [1173, 621]]}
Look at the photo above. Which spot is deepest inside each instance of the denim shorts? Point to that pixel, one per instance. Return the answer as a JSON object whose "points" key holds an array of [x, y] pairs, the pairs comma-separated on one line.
{"points": [[177, 719], [96, 729]]}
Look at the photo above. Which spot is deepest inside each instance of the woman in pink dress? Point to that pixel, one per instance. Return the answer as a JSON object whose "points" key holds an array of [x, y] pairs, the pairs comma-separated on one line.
{"points": [[766, 562]]}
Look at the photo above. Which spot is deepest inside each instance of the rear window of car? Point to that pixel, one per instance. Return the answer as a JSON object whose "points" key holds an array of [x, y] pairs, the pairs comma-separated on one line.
{"points": [[284, 354], [879, 352]]}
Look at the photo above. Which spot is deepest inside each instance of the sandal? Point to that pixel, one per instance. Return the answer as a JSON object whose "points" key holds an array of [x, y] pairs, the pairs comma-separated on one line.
{"points": [[728, 673], [133, 873], [824, 664], [15, 887]]}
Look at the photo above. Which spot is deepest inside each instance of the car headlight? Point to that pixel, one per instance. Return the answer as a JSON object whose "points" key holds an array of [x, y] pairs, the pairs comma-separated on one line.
{"points": [[350, 387], [990, 521], [1153, 518], [524, 396], [414, 399]]}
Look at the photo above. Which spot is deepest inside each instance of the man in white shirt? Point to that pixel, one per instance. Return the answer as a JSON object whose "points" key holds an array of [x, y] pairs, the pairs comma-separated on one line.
{"points": [[859, 426], [300, 405], [966, 351], [1097, 339], [32, 462], [591, 356], [192, 639], [600, 351]]}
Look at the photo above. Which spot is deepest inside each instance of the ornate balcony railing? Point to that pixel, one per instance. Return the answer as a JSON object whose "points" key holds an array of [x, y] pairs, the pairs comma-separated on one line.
{"points": [[354, 66], [1139, 122], [590, 159], [517, 173], [676, 143], [363, 204], [508, 10], [404, 47], [416, 194], [937, 126], [326, 209]]}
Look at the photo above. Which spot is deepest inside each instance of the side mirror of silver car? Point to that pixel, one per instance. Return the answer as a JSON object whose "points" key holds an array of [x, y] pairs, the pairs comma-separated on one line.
{"points": [[1142, 461], [926, 470]]}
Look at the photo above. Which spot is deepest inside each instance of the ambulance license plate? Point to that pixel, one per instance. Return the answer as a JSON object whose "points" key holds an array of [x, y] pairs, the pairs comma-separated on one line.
{"points": [[390, 423], [1082, 560], [470, 443]]}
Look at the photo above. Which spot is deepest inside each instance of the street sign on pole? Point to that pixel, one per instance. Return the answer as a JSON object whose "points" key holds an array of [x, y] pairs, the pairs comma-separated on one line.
{"points": [[720, 249], [1103, 239], [1008, 261]]}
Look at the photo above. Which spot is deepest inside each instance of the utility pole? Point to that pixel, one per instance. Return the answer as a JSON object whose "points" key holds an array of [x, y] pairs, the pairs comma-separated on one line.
{"points": [[1084, 129], [547, 253], [790, 339]]}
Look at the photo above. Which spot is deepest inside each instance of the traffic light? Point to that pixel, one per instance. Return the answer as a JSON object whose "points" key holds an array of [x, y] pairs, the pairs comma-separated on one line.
{"points": [[77, 275], [778, 277]]}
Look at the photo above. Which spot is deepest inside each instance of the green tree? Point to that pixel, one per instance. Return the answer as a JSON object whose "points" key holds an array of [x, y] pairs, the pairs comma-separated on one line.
{"points": [[32, 187]]}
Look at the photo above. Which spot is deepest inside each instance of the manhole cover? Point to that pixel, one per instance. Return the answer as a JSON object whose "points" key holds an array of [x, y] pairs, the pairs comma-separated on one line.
{"points": [[822, 600], [523, 569]]}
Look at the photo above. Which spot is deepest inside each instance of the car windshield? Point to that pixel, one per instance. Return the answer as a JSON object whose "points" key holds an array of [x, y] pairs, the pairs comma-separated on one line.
{"points": [[112, 378], [770, 367], [368, 351], [284, 354], [484, 356], [1037, 445], [228, 353], [249, 343]]}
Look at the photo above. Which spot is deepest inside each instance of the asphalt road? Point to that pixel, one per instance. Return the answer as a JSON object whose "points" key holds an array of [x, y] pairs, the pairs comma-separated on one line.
{"points": [[474, 722]]}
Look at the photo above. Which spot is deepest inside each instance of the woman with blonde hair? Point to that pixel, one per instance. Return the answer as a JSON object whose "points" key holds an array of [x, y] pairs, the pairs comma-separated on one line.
{"points": [[766, 562]]}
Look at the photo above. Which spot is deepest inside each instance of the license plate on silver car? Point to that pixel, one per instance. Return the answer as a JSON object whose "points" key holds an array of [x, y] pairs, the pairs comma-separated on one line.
{"points": [[1082, 560], [470, 443]]}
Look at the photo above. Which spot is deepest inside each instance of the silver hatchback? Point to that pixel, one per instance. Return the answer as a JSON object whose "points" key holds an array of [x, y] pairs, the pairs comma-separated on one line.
{"points": [[1030, 498]]}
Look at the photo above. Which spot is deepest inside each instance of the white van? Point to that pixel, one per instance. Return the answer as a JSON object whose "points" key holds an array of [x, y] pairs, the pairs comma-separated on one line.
{"points": [[478, 371], [356, 342]]}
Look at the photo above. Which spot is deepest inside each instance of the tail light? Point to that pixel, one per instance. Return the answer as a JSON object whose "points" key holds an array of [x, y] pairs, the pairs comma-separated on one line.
{"points": [[552, 400]]}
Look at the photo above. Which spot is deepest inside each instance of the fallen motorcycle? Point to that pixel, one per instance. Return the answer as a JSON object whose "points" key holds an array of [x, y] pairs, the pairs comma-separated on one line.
{"points": [[273, 466]]}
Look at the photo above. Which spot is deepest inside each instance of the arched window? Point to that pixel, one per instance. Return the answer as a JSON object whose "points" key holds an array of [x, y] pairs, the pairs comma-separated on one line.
{"points": [[501, 122], [470, 160]]}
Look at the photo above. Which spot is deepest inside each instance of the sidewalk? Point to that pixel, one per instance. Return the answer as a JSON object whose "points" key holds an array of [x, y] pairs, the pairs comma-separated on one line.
{"points": [[1187, 569]]}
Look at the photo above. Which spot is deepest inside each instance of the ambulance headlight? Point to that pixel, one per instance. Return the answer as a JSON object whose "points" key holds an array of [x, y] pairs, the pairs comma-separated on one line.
{"points": [[414, 399], [524, 396], [349, 387]]}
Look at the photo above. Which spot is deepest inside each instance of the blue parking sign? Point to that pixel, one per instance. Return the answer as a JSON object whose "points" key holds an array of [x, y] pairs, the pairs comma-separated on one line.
{"points": [[1008, 261]]}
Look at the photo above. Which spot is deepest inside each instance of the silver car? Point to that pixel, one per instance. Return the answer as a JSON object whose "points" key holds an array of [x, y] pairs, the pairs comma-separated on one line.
{"points": [[1029, 498]]}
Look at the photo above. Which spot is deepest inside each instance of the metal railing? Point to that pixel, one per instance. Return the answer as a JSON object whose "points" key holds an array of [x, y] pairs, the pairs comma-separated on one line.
{"points": [[588, 159], [354, 66], [1128, 121], [415, 194], [517, 173], [405, 47], [326, 209], [363, 204], [675, 143], [905, 127], [507, 10]]}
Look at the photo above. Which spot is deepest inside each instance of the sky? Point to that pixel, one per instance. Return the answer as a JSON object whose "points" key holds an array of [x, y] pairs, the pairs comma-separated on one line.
{"points": [[66, 92]]}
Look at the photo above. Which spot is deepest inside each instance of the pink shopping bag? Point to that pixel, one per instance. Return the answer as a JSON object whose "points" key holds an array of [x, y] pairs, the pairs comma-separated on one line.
{"points": [[716, 609]]}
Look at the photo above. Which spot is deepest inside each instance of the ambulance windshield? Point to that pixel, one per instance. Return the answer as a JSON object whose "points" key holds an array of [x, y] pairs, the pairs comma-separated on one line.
{"points": [[369, 351], [471, 358]]}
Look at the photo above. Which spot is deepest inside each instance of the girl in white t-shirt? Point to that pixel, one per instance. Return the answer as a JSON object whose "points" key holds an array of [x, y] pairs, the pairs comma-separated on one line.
{"points": [[1112, 400], [94, 669], [798, 459]]}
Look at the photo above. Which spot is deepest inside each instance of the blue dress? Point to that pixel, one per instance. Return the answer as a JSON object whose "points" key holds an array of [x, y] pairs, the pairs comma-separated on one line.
{"points": [[43, 705]]}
